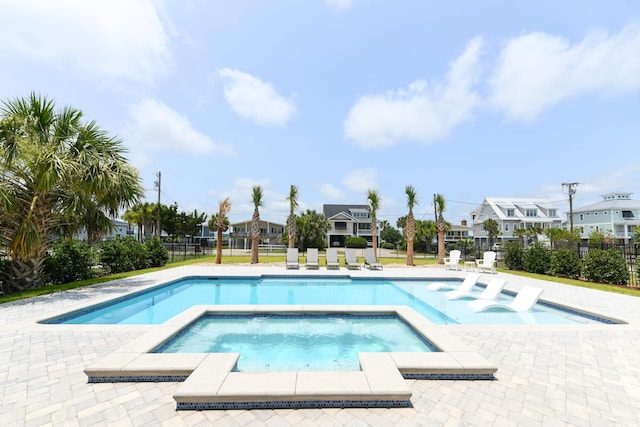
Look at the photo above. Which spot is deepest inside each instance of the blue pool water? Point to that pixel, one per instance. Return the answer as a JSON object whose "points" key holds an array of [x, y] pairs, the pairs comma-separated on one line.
{"points": [[297, 342], [157, 305]]}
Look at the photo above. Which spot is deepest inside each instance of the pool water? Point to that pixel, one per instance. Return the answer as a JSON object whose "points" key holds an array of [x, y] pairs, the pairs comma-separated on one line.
{"points": [[159, 304], [297, 342]]}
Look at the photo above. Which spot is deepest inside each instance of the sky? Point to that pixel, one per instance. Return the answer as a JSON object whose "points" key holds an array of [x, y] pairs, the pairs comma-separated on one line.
{"points": [[468, 99]]}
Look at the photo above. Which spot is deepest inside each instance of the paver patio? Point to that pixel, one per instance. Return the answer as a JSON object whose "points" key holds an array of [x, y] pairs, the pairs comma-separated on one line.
{"points": [[547, 375]]}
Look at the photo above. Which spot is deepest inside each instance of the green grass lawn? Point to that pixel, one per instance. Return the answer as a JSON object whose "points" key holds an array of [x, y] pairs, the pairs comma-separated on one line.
{"points": [[242, 259]]}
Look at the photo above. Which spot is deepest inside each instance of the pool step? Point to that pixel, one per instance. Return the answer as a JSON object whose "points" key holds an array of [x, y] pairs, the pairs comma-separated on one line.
{"points": [[378, 384]]}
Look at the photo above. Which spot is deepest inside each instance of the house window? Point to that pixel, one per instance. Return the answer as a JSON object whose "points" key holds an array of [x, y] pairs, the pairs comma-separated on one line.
{"points": [[581, 217], [553, 213], [595, 213], [531, 212], [627, 214], [511, 212], [506, 227], [341, 225]]}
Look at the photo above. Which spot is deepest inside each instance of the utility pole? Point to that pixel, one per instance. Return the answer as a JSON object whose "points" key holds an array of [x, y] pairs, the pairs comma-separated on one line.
{"points": [[158, 184], [571, 190]]}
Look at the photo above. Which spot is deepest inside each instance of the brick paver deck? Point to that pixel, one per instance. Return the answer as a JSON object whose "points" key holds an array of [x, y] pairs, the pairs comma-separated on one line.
{"points": [[586, 375]]}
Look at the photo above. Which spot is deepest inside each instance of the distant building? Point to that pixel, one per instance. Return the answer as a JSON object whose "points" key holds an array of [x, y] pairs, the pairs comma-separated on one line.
{"points": [[120, 229], [347, 221], [459, 232], [270, 233], [616, 216], [512, 213]]}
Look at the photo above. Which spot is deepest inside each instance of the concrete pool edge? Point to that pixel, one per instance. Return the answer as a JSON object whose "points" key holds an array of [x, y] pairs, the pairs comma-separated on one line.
{"points": [[208, 380]]}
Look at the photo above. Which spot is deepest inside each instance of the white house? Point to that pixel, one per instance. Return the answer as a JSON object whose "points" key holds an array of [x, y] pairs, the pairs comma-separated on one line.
{"points": [[347, 221], [512, 213], [616, 216]]}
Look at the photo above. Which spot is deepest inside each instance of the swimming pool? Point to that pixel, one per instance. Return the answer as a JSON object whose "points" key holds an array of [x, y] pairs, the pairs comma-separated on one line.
{"points": [[159, 304], [297, 342]]}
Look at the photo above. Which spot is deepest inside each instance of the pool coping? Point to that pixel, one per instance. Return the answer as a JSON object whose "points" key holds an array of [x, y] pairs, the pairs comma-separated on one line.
{"points": [[209, 382]]}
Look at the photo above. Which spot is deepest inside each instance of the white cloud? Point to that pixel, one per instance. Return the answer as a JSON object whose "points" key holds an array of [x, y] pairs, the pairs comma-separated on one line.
{"points": [[114, 39], [330, 192], [537, 71], [159, 128], [423, 112], [361, 180], [339, 4], [254, 99]]}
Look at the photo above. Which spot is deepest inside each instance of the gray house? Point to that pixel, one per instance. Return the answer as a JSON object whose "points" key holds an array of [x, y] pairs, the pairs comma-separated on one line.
{"points": [[512, 213], [270, 233], [347, 221], [616, 216]]}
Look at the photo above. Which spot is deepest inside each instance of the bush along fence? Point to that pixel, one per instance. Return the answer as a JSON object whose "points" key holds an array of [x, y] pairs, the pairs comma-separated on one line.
{"points": [[614, 264]]}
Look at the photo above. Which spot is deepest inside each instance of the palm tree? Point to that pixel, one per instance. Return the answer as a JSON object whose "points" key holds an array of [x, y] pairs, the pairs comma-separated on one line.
{"points": [[291, 220], [132, 216], [492, 228], [142, 214], [441, 225], [256, 198], [58, 174], [410, 223], [373, 197], [221, 223]]}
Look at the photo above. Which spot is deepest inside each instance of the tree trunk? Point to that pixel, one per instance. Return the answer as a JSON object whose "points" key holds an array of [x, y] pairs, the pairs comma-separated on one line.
{"points": [[441, 247], [219, 247], [24, 275]]}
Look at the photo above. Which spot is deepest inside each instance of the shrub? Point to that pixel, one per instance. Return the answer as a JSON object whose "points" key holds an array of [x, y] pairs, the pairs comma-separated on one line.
{"points": [[157, 254], [113, 255], [123, 255], [355, 242], [69, 261], [387, 245], [137, 253], [605, 266], [565, 263], [514, 255], [537, 259]]}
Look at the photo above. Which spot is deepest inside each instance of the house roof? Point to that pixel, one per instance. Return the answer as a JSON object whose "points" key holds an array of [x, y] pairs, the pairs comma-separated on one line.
{"points": [[331, 211], [499, 205], [615, 200], [261, 221]]}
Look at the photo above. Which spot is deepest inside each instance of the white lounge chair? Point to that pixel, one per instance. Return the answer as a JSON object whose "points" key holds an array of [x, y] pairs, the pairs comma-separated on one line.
{"points": [[312, 258], [332, 258], [524, 300], [350, 259], [487, 263], [467, 284], [292, 258], [453, 260], [492, 290], [370, 260]]}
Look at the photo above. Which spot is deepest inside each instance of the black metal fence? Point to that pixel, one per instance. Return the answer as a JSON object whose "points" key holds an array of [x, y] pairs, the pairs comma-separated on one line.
{"points": [[629, 252], [183, 251]]}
